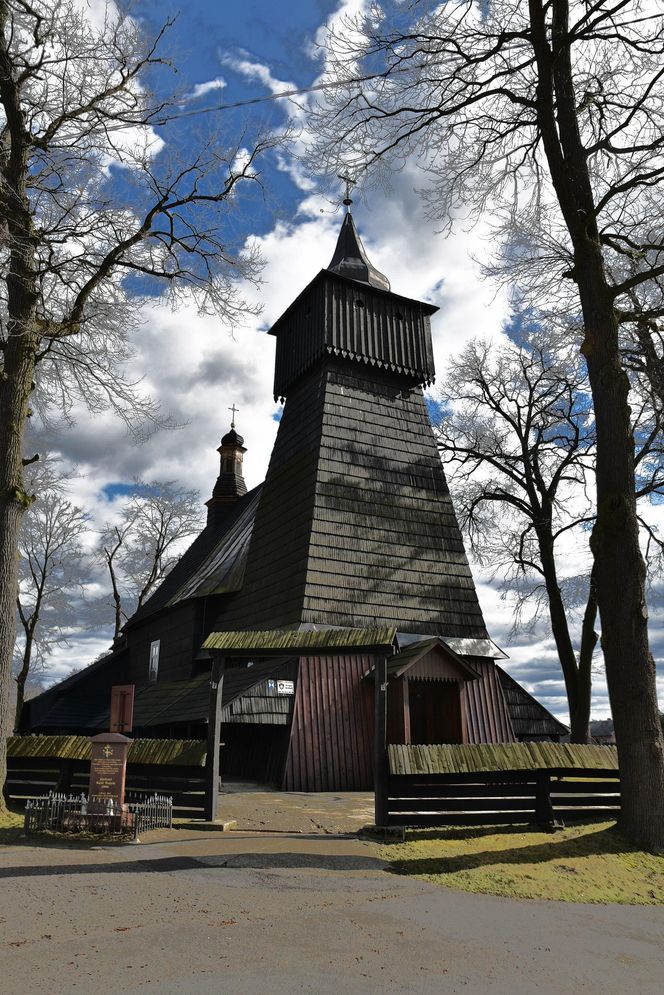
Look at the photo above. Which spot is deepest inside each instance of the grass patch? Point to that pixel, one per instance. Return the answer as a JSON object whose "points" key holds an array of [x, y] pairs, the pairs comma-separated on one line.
{"points": [[11, 827], [583, 863]]}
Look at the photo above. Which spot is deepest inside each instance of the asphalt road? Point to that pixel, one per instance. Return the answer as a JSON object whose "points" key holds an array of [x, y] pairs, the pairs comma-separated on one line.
{"points": [[293, 913]]}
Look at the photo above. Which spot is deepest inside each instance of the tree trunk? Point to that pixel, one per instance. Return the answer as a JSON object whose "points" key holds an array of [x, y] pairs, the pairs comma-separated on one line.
{"points": [[21, 679], [18, 367], [588, 643], [117, 600], [14, 394], [620, 570], [10, 520], [577, 681]]}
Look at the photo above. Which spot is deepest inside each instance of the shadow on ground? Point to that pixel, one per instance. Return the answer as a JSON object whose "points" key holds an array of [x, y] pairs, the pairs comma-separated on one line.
{"points": [[602, 842], [169, 865]]}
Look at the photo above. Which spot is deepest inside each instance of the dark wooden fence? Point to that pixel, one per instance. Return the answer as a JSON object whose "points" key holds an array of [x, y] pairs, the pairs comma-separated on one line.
{"points": [[36, 776], [499, 783], [505, 797]]}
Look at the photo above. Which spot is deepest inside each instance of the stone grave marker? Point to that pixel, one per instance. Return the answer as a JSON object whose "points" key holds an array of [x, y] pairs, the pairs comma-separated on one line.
{"points": [[108, 767]]}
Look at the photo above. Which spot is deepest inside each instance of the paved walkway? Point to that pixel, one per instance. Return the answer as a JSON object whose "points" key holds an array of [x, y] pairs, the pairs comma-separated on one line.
{"points": [[255, 912], [258, 808]]}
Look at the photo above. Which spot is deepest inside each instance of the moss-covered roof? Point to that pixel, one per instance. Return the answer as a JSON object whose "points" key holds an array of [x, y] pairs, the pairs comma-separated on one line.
{"points": [[499, 756], [180, 752], [282, 641]]}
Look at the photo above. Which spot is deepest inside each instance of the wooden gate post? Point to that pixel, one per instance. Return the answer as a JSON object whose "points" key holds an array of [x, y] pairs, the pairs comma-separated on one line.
{"points": [[543, 807], [380, 740], [214, 731]]}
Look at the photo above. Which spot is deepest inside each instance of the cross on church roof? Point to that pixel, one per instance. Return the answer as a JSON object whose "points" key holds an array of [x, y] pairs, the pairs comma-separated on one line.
{"points": [[235, 411], [349, 186]]}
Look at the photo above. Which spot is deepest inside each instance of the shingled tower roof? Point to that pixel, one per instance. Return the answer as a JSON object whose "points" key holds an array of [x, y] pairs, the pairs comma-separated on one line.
{"points": [[350, 258], [355, 524]]}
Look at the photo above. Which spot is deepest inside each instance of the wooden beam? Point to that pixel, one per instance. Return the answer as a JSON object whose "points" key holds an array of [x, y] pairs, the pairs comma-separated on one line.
{"points": [[406, 711], [544, 816], [380, 740], [214, 731], [463, 713]]}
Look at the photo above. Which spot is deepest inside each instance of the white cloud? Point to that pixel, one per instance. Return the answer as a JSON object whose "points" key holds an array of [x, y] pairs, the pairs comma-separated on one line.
{"points": [[259, 72], [84, 650], [202, 89], [251, 69]]}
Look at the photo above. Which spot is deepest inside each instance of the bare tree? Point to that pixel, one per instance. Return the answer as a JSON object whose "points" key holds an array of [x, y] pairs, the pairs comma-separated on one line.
{"points": [[519, 440], [144, 544], [52, 573], [96, 218], [548, 110]]}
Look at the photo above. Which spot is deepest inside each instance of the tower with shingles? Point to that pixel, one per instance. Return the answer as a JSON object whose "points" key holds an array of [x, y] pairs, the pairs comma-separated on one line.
{"points": [[355, 525], [353, 528]]}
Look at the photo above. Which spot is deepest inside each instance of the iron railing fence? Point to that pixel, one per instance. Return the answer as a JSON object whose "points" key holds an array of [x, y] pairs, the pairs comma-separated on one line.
{"points": [[152, 813], [78, 813]]}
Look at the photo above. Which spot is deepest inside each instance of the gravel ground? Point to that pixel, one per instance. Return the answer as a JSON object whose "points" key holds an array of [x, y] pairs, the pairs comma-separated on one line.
{"points": [[202, 912], [257, 808]]}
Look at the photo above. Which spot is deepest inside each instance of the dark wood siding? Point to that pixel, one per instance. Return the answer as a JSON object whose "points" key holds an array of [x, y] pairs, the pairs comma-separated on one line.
{"points": [[487, 719], [332, 735], [178, 630], [355, 526], [347, 319]]}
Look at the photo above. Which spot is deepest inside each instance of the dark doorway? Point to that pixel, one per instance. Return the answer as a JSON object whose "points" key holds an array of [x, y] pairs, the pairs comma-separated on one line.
{"points": [[435, 712]]}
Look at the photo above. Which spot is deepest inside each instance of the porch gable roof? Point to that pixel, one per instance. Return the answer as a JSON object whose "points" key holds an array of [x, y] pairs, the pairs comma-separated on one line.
{"points": [[402, 662]]}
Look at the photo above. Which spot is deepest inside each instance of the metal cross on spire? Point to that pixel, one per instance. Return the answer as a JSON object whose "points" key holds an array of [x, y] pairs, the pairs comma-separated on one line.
{"points": [[349, 186], [235, 411]]}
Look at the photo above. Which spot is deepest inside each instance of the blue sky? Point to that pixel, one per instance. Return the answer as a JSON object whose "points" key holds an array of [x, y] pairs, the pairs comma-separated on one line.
{"points": [[279, 36], [197, 368]]}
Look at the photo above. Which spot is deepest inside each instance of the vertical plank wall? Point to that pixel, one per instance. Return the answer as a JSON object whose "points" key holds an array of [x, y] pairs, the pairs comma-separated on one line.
{"points": [[331, 744], [486, 712]]}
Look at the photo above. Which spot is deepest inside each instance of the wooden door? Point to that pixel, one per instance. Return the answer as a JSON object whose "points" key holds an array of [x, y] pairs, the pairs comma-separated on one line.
{"points": [[435, 712]]}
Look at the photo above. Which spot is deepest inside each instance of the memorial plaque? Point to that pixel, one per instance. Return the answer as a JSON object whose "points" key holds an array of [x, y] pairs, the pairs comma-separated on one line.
{"points": [[108, 766]]}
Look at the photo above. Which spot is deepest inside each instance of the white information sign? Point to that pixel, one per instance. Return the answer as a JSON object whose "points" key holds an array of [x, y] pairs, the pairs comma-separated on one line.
{"points": [[285, 687]]}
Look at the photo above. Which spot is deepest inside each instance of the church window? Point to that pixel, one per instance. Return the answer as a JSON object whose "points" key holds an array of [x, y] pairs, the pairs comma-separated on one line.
{"points": [[154, 660]]}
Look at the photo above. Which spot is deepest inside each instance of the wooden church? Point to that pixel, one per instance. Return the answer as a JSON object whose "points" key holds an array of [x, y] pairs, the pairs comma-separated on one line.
{"points": [[351, 534]]}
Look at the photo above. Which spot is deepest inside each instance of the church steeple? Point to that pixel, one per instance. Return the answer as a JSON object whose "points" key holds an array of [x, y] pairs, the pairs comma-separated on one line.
{"points": [[348, 312], [350, 258], [354, 525], [230, 483]]}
